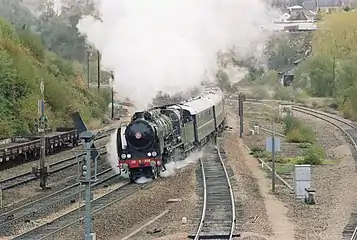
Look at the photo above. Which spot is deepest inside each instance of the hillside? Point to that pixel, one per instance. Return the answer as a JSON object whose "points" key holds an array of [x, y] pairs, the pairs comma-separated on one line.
{"points": [[23, 62]]}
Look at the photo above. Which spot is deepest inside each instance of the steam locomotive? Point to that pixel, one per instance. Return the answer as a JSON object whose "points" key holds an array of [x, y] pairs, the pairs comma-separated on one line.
{"points": [[157, 136]]}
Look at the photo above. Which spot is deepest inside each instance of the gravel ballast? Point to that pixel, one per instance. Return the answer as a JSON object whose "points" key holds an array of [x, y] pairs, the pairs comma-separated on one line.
{"points": [[122, 218]]}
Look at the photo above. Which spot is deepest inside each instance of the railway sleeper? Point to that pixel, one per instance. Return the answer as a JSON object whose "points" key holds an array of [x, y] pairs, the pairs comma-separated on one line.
{"points": [[214, 235], [225, 208]]}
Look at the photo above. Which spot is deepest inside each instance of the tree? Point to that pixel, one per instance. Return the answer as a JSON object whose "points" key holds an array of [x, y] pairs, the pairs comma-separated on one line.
{"points": [[332, 69], [283, 49], [23, 62]]}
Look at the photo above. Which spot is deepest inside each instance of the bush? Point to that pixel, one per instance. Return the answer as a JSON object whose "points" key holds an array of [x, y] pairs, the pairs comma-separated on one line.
{"points": [[33, 43], [297, 132], [284, 93], [260, 93], [258, 152], [304, 145], [291, 123], [314, 155]]}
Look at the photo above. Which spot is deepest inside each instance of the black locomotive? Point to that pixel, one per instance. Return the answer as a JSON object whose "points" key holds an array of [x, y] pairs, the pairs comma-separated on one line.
{"points": [[156, 136]]}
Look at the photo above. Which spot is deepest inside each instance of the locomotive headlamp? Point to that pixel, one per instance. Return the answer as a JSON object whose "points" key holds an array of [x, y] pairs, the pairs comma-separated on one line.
{"points": [[154, 154], [125, 166], [149, 154], [153, 163], [123, 156], [128, 155]]}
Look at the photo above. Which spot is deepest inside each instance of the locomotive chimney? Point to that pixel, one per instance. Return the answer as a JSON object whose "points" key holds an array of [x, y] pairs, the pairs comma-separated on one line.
{"points": [[138, 115]]}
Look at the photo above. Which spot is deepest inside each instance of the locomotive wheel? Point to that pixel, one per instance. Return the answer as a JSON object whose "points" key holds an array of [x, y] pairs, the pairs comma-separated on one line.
{"points": [[131, 178]]}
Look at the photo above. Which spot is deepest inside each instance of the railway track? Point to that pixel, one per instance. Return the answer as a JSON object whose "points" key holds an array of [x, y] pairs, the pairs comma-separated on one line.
{"points": [[54, 201], [47, 230], [218, 215], [21, 179], [350, 131]]}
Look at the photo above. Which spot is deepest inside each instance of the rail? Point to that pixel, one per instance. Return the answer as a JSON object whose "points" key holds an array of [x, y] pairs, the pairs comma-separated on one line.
{"points": [[36, 208], [46, 231], [216, 187], [21, 179], [204, 202]]}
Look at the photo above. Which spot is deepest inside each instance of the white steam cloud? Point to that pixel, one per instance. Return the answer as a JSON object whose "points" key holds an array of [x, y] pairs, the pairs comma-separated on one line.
{"points": [[172, 167], [112, 152], [169, 44]]}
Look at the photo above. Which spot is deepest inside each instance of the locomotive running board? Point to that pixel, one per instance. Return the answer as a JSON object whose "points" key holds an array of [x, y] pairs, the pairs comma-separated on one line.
{"points": [[81, 127], [213, 236]]}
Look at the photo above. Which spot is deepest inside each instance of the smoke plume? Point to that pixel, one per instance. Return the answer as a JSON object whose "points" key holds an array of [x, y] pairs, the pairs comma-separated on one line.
{"points": [[112, 153], [172, 167], [169, 44]]}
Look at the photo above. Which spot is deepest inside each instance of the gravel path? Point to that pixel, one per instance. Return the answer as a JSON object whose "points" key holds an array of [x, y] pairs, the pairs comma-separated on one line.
{"points": [[265, 215]]}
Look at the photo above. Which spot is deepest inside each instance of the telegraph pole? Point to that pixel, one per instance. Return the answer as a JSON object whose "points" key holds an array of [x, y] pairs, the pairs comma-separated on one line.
{"points": [[273, 156], [87, 140], [241, 98], [41, 129], [88, 72], [98, 69], [112, 76]]}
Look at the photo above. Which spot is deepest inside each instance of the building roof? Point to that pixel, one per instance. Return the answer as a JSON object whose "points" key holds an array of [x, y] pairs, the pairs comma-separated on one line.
{"points": [[297, 15]]}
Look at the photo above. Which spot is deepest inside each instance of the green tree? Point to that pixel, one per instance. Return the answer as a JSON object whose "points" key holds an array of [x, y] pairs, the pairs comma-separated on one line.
{"points": [[332, 70], [23, 63]]}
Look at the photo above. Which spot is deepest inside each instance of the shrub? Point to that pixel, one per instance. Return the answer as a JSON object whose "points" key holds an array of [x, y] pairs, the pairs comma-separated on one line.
{"points": [[304, 145], [260, 93], [284, 93], [33, 43], [314, 155], [291, 123], [258, 152], [297, 132]]}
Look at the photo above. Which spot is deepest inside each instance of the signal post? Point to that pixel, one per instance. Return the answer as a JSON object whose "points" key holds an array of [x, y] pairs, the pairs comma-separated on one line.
{"points": [[86, 179], [241, 99], [42, 124]]}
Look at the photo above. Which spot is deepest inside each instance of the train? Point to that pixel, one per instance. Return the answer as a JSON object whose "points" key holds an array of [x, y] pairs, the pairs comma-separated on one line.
{"points": [[17, 150], [159, 135]]}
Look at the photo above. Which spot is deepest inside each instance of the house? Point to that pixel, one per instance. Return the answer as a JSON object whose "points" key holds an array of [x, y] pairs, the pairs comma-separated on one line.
{"points": [[287, 77]]}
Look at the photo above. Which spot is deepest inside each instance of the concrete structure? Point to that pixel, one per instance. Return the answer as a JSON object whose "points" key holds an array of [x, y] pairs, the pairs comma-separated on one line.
{"points": [[302, 180]]}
